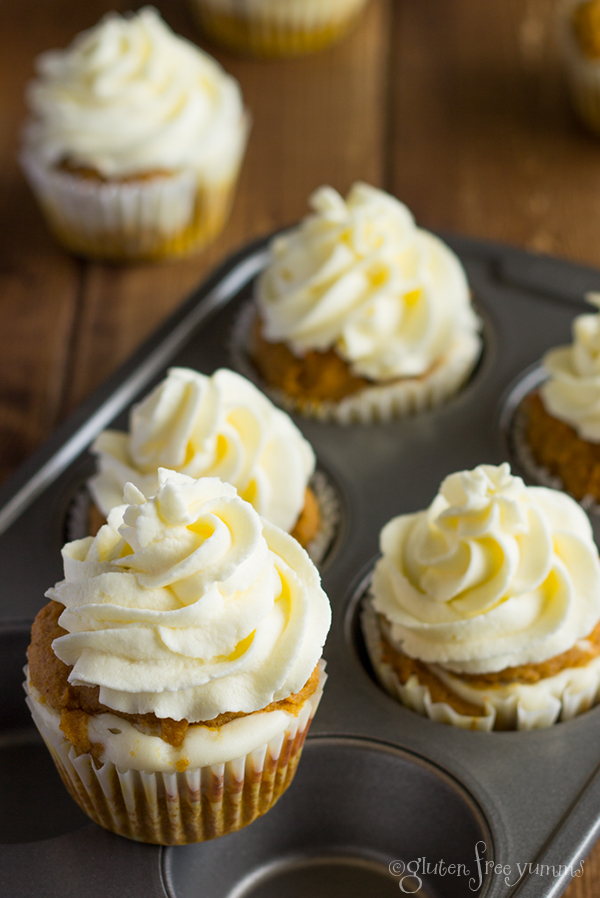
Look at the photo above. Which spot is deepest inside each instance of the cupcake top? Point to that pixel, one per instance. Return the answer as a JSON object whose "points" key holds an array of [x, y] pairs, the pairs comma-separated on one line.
{"points": [[572, 392], [358, 276], [492, 575], [217, 426], [129, 96], [189, 605]]}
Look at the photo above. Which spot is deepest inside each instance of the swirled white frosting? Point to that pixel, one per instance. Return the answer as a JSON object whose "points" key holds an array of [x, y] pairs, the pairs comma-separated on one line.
{"points": [[358, 276], [493, 574], [130, 96], [189, 605], [572, 392], [218, 426]]}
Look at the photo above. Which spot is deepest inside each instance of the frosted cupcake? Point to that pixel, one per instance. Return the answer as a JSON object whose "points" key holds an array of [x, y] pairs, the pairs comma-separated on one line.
{"points": [[271, 28], [562, 420], [361, 315], [217, 426], [135, 141], [580, 32], [176, 669], [485, 607]]}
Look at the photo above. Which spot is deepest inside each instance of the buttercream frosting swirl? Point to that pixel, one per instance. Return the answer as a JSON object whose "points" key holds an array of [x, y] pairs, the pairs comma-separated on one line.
{"points": [[190, 605], [572, 392], [129, 96], [359, 276], [493, 574], [218, 426]]}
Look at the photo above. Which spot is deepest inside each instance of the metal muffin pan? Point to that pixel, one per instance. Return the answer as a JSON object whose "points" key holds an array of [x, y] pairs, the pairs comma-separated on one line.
{"points": [[380, 792]]}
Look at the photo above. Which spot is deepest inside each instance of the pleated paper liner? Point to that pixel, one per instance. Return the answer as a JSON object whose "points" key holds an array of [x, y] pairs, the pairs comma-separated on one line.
{"points": [[514, 423], [154, 218], [515, 707], [178, 808], [272, 30], [380, 403]]}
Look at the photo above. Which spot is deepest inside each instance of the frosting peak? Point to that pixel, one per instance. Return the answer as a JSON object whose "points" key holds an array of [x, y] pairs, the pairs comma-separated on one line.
{"points": [[218, 426], [493, 574], [130, 96], [190, 605], [357, 275], [572, 393]]}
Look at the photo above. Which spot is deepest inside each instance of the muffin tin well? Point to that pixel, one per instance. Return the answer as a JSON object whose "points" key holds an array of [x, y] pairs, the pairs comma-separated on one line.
{"points": [[355, 804], [378, 784], [513, 422]]}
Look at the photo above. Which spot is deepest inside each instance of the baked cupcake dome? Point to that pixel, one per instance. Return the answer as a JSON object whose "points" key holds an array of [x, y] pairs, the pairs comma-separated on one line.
{"points": [[177, 692], [484, 608], [361, 315], [212, 426], [563, 418], [276, 28], [135, 141]]}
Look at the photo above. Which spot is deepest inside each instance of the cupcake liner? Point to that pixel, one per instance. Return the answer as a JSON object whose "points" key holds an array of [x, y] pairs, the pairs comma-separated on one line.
{"points": [[77, 522], [523, 456], [166, 216], [391, 400], [329, 515], [178, 808], [583, 74], [515, 707], [269, 28]]}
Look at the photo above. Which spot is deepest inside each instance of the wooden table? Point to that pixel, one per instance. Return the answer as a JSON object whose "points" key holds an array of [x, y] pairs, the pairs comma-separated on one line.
{"points": [[456, 106]]}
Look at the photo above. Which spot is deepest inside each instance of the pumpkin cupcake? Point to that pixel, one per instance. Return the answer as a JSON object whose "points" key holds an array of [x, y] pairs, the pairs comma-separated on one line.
{"points": [[561, 421], [218, 426], [135, 141], [362, 316], [276, 28], [176, 669], [485, 608]]}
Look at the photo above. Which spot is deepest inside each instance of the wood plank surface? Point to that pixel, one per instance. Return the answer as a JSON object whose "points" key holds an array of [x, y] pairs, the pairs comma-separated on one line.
{"points": [[483, 140], [458, 107]]}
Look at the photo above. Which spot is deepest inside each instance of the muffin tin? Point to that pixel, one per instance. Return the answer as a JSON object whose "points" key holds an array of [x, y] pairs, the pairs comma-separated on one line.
{"points": [[384, 802]]}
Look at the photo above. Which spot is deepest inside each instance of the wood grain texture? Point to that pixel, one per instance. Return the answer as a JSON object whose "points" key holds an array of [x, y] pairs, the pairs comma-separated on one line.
{"points": [[483, 140], [316, 120], [457, 106]]}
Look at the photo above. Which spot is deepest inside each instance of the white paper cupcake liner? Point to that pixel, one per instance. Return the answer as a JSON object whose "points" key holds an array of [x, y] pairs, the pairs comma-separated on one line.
{"points": [[395, 399], [515, 707], [275, 28], [166, 216], [329, 516], [583, 74], [179, 808], [523, 456]]}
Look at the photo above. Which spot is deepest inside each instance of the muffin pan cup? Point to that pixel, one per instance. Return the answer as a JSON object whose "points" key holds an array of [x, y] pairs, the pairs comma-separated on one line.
{"points": [[384, 800]]}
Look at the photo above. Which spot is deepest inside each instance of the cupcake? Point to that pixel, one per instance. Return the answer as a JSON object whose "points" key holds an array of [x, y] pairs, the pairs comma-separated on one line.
{"points": [[361, 315], [135, 141], [580, 32], [176, 669], [484, 608], [562, 419], [271, 28], [217, 426]]}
